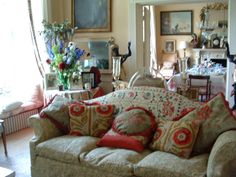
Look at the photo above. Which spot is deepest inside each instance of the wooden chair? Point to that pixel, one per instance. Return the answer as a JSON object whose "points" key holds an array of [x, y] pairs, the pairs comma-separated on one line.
{"points": [[203, 84], [143, 77], [168, 66]]}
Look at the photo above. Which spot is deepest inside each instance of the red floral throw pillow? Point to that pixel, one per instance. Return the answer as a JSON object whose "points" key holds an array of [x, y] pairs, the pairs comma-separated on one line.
{"points": [[215, 117], [92, 120], [175, 137], [131, 129]]}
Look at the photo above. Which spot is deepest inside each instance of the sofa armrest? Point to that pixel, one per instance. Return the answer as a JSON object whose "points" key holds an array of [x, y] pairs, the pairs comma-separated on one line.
{"points": [[43, 130], [222, 159]]}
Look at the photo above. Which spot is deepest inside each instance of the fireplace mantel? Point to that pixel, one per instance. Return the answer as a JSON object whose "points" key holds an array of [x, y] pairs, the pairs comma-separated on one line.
{"points": [[209, 53]]}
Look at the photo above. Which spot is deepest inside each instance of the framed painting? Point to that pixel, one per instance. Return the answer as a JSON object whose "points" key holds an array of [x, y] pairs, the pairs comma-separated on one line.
{"points": [[98, 54], [51, 82], [91, 16], [88, 80], [169, 46], [75, 83], [176, 22]]}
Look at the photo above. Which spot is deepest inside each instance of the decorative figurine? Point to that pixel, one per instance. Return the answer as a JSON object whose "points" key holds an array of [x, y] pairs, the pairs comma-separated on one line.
{"points": [[115, 52]]}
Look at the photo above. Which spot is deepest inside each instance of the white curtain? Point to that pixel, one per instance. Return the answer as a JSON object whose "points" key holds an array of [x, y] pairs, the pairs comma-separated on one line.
{"points": [[153, 47], [18, 68]]}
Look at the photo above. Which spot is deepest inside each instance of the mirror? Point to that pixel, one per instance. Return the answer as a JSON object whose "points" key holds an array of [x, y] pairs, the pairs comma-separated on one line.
{"points": [[214, 25]]}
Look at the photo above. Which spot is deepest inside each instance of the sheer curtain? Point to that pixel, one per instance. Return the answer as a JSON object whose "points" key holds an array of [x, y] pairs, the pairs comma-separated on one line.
{"points": [[153, 38], [18, 69]]}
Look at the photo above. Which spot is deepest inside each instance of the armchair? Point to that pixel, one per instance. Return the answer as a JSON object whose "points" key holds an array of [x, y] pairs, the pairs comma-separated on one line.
{"points": [[169, 65]]}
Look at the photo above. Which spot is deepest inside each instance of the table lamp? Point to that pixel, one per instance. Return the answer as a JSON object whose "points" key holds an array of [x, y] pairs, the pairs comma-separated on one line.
{"points": [[183, 45]]}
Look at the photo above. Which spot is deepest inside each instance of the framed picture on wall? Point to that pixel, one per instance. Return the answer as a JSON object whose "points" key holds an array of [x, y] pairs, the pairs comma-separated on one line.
{"points": [[176, 22], [169, 46], [91, 15]]}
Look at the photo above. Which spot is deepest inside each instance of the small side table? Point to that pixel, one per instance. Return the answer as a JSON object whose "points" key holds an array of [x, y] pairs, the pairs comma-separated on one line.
{"points": [[6, 172], [3, 135]]}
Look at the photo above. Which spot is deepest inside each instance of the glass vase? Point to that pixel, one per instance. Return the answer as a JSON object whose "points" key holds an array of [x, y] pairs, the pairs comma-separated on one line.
{"points": [[64, 80], [116, 67]]}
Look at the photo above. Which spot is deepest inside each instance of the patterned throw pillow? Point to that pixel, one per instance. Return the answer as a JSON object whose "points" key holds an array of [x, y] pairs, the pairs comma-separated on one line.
{"points": [[58, 113], [175, 137], [92, 120], [215, 118], [131, 129]]}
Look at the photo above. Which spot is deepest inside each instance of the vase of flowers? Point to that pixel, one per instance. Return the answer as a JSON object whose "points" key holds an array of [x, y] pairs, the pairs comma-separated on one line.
{"points": [[64, 56], [66, 63]]}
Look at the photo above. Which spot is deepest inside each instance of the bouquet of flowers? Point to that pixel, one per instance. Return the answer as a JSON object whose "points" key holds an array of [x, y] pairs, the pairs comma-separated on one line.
{"points": [[64, 56], [66, 62]]}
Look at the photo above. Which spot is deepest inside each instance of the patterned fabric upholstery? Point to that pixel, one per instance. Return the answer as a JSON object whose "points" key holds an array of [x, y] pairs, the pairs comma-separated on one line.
{"points": [[163, 104], [78, 156]]}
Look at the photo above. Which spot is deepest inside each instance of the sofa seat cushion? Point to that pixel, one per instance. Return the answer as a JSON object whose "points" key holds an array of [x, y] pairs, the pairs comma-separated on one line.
{"points": [[66, 148], [113, 160], [166, 164]]}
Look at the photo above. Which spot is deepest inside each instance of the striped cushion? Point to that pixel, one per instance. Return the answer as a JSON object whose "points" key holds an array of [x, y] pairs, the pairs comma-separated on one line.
{"points": [[92, 120]]}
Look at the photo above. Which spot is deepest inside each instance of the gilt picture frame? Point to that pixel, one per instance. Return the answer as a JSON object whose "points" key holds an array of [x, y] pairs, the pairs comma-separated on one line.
{"points": [[176, 22], [169, 46], [91, 16]]}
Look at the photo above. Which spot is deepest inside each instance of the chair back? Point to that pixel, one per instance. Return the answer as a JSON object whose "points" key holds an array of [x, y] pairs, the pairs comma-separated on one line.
{"points": [[203, 83], [143, 77]]}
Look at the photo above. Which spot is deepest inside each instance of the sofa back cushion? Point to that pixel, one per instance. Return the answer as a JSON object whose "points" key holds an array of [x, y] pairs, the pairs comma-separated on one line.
{"points": [[165, 105]]}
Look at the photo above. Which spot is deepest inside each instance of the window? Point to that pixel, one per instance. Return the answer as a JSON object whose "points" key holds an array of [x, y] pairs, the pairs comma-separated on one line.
{"points": [[18, 68]]}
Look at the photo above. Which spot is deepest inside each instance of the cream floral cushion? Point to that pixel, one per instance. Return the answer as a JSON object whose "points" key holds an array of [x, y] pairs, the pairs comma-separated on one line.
{"points": [[215, 117], [175, 137]]}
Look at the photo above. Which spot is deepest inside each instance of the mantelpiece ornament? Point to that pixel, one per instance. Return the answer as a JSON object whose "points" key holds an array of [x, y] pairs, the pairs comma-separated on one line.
{"points": [[215, 6]]}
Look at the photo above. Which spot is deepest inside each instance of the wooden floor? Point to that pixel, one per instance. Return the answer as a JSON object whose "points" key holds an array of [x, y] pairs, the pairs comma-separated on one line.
{"points": [[18, 158]]}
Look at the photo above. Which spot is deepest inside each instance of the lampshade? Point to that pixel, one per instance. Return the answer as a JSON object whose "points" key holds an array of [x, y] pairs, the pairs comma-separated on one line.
{"points": [[183, 45]]}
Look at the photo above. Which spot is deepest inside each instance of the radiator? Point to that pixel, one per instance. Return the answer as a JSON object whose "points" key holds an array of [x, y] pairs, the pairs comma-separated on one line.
{"points": [[19, 121]]}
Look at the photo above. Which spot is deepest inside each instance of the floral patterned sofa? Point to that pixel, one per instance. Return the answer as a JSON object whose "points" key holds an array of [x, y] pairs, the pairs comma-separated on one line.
{"points": [[203, 145]]}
